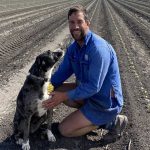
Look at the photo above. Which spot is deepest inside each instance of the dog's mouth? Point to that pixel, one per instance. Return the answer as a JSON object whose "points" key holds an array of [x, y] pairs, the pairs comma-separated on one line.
{"points": [[58, 53], [54, 57]]}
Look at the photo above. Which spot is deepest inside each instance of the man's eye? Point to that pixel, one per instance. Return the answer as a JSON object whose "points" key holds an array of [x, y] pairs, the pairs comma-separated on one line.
{"points": [[71, 22], [80, 22]]}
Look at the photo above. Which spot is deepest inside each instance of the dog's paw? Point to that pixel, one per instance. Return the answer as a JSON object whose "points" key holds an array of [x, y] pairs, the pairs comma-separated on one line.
{"points": [[25, 145], [50, 136], [19, 141]]}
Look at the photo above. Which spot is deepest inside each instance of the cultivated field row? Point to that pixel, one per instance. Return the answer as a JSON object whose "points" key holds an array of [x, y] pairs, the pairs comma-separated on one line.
{"points": [[130, 38], [21, 31], [141, 11], [141, 3], [144, 9], [13, 5], [141, 36], [129, 34]]}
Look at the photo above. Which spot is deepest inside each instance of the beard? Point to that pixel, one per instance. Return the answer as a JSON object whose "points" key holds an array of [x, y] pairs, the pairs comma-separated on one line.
{"points": [[77, 34]]}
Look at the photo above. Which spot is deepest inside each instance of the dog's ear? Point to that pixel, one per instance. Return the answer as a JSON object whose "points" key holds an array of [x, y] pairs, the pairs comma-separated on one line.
{"points": [[31, 70], [34, 67], [38, 61]]}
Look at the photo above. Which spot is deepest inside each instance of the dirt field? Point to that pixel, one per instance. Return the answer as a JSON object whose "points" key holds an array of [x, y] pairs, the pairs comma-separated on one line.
{"points": [[29, 28]]}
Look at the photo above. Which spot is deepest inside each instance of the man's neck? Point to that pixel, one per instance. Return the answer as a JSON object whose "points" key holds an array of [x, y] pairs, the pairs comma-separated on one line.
{"points": [[80, 43]]}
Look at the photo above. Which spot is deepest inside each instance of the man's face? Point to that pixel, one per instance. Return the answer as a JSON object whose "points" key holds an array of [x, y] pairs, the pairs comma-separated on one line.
{"points": [[78, 26]]}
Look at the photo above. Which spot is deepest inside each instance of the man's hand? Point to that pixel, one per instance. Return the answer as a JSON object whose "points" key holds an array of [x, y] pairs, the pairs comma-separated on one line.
{"points": [[56, 99]]}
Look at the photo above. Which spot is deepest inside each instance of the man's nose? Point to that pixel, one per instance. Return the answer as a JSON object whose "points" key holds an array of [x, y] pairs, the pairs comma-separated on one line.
{"points": [[76, 26]]}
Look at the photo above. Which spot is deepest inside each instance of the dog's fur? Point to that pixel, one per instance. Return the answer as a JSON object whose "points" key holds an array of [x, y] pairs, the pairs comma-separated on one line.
{"points": [[29, 111]]}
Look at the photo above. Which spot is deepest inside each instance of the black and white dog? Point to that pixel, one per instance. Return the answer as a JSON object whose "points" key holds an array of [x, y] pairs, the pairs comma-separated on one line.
{"points": [[30, 114]]}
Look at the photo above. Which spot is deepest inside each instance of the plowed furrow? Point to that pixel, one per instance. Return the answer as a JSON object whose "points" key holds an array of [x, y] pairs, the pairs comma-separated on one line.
{"points": [[143, 13], [20, 41], [136, 6], [17, 10], [28, 37], [140, 56], [141, 3], [133, 83], [11, 44], [22, 20], [141, 30]]}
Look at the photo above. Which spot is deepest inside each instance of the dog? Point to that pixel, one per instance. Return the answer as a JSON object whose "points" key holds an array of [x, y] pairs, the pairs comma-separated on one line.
{"points": [[30, 114]]}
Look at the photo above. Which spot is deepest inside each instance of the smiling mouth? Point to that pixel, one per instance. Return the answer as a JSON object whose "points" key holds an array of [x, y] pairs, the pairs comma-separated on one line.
{"points": [[76, 33], [76, 30]]}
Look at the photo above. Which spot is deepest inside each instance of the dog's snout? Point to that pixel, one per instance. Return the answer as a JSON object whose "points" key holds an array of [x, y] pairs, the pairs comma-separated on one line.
{"points": [[59, 52]]}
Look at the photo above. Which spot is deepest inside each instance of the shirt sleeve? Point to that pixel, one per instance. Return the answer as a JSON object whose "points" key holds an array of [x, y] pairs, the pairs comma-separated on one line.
{"points": [[98, 68], [63, 72]]}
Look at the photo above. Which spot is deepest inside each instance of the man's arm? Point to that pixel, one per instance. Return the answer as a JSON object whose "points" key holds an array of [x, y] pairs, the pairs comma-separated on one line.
{"points": [[97, 71], [98, 68]]}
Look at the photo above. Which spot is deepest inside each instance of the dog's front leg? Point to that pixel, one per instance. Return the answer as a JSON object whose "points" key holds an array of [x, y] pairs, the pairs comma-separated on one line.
{"points": [[50, 135], [25, 144], [35, 124]]}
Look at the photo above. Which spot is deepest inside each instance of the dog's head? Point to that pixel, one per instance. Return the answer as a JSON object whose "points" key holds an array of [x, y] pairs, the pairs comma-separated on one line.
{"points": [[45, 62]]}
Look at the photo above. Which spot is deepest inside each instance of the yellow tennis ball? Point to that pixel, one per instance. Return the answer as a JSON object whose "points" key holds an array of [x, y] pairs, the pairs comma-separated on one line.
{"points": [[50, 88]]}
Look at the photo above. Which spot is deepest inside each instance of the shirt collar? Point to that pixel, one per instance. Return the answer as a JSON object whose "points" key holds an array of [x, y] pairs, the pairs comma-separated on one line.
{"points": [[86, 38]]}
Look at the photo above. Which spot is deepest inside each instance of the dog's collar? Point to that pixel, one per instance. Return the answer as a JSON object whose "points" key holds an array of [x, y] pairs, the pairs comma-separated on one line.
{"points": [[38, 78]]}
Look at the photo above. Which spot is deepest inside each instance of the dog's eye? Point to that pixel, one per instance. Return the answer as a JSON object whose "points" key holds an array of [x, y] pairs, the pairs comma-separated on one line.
{"points": [[43, 62]]}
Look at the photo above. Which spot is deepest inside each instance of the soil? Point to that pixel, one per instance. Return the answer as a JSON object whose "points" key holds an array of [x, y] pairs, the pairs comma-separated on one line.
{"points": [[28, 28]]}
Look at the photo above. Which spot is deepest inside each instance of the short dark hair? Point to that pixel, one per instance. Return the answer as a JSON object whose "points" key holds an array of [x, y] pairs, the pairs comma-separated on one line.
{"points": [[78, 8]]}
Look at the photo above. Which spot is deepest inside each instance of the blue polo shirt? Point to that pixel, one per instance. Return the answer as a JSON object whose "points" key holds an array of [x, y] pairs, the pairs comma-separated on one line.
{"points": [[96, 69]]}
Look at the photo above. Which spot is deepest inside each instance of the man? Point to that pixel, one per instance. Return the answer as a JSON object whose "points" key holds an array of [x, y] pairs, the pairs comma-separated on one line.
{"points": [[97, 92]]}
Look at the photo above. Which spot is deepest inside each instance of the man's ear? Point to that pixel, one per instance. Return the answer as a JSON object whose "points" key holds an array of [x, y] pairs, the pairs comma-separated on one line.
{"points": [[88, 22]]}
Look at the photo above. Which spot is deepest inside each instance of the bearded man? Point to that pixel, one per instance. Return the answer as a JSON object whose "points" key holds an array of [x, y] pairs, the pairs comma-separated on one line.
{"points": [[97, 92]]}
